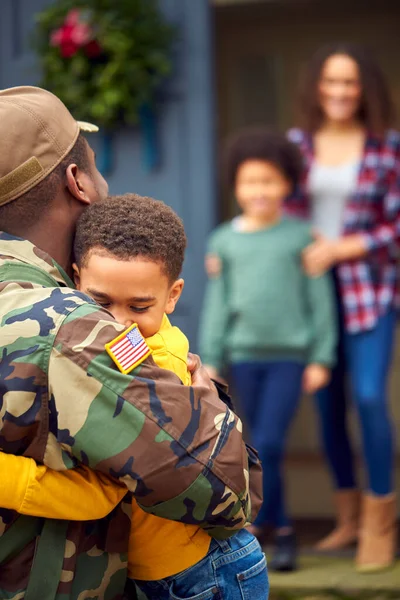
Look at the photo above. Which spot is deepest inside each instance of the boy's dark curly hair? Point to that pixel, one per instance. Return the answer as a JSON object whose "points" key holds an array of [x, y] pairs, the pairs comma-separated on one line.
{"points": [[129, 226], [265, 145]]}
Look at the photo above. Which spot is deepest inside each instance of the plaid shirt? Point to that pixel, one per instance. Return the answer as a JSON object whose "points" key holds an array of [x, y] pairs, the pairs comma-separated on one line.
{"points": [[369, 286]]}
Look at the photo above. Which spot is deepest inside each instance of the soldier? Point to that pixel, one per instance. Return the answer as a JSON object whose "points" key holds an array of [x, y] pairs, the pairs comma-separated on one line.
{"points": [[63, 401]]}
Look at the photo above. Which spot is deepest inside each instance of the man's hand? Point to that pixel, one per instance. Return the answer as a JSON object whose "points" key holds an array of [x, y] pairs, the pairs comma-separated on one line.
{"points": [[320, 256], [315, 377], [200, 376], [212, 371]]}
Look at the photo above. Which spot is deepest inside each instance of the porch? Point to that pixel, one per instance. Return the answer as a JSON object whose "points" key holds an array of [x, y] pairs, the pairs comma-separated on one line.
{"points": [[330, 577]]}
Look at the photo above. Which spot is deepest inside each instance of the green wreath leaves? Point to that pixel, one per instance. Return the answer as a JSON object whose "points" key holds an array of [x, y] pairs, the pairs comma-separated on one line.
{"points": [[105, 59]]}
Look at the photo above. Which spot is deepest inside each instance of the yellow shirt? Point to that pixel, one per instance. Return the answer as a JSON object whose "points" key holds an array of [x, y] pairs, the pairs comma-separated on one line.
{"points": [[158, 548]]}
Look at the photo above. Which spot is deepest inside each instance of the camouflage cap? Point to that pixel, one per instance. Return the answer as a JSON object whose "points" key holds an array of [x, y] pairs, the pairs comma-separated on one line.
{"points": [[36, 131]]}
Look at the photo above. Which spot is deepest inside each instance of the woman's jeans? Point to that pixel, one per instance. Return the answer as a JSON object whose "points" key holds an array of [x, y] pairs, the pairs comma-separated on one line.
{"points": [[269, 394], [366, 358], [234, 569]]}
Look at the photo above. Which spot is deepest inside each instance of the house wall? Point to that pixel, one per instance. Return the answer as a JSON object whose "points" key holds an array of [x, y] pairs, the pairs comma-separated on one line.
{"points": [[260, 48], [185, 178]]}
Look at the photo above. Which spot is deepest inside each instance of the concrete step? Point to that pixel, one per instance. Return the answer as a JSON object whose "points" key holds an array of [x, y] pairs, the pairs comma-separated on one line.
{"points": [[333, 578]]}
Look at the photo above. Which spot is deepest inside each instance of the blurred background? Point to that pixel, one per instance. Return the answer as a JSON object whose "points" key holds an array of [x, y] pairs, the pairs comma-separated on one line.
{"points": [[236, 63]]}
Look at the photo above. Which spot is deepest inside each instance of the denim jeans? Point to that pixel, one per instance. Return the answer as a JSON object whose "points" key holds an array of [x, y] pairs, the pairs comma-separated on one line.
{"points": [[365, 358], [269, 394], [234, 569]]}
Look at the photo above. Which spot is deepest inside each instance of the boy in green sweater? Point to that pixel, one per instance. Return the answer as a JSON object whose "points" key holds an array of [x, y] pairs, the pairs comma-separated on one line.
{"points": [[263, 316]]}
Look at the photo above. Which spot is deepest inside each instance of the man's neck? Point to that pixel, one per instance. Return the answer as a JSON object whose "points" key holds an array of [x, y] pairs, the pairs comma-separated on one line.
{"points": [[56, 244]]}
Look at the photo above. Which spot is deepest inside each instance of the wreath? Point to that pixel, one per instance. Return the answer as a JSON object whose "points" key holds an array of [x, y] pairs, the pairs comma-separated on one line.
{"points": [[105, 59]]}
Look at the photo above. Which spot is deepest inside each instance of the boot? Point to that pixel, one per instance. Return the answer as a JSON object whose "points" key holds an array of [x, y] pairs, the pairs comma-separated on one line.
{"points": [[378, 533], [347, 504], [285, 553]]}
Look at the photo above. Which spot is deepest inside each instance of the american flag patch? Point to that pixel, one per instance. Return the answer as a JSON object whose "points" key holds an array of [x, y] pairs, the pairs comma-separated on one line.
{"points": [[129, 349]]}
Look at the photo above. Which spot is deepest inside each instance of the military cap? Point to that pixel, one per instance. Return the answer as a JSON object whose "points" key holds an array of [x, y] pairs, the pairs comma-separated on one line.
{"points": [[37, 131]]}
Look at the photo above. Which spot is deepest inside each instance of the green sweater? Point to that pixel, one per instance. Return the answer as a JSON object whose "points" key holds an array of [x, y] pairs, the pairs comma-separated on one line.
{"points": [[263, 306]]}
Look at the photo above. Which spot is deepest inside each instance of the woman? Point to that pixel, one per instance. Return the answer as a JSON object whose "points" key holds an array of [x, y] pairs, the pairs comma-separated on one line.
{"points": [[351, 193]]}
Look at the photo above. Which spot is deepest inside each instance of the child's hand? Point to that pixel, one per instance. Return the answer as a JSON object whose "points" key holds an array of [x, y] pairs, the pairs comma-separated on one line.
{"points": [[213, 265], [315, 377]]}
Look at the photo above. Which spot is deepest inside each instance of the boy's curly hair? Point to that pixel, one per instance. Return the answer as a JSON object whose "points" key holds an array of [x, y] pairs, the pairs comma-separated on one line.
{"points": [[129, 226], [265, 145]]}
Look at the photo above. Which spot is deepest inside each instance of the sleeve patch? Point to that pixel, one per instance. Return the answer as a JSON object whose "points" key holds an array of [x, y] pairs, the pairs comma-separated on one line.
{"points": [[129, 349]]}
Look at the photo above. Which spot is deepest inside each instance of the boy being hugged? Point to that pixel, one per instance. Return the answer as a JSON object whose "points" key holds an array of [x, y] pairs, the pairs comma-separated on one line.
{"points": [[263, 316], [129, 254]]}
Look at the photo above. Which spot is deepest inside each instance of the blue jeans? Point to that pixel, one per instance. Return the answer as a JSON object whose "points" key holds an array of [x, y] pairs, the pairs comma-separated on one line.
{"points": [[269, 394], [234, 569], [366, 358]]}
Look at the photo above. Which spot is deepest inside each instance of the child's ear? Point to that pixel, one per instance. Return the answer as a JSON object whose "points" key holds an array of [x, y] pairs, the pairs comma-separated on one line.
{"points": [[77, 276], [174, 295]]}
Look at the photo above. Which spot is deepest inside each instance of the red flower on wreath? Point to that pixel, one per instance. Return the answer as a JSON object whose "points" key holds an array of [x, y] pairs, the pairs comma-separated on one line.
{"points": [[75, 33]]}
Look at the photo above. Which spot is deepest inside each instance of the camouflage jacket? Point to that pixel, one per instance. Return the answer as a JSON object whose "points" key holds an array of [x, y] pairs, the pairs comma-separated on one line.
{"points": [[178, 449]]}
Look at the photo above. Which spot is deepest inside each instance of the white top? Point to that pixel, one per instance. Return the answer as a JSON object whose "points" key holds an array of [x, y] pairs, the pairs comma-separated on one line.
{"points": [[330, 187]]}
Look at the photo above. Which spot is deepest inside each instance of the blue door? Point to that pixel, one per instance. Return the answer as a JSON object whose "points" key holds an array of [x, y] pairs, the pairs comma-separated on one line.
{"points": [[185, 178]]}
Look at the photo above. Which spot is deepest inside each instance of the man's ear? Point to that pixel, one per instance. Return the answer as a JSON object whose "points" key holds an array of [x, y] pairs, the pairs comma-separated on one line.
{"points": [[174, 295], [77, 276], [77, 181]]}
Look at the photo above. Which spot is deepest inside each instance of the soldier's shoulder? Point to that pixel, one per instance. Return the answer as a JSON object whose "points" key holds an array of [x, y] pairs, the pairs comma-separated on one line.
{"points": [[69, 299], [39, 308], [84, 332], [31, 319], [51, 305]]}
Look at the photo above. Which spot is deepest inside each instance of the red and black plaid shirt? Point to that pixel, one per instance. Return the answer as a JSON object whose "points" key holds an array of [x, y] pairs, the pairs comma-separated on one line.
{"points": [[369, 286]]}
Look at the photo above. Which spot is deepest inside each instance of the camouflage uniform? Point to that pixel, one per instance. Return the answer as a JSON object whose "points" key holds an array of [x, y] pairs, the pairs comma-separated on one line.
{"points": [[63, 402]]}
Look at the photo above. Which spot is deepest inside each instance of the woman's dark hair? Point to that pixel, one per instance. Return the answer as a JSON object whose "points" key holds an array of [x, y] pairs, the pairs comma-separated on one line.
{"points": [[376, 108], [265, 145]]}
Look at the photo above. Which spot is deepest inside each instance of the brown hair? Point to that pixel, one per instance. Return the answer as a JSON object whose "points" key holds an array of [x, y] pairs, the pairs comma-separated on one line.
{"points": [[132, 226], [265, 145], [376, 109]]}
